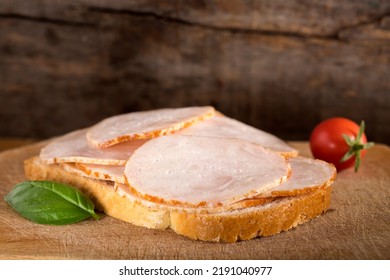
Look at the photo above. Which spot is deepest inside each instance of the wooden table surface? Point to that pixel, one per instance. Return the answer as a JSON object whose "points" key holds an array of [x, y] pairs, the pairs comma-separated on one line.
{"points": [[357, 226]]}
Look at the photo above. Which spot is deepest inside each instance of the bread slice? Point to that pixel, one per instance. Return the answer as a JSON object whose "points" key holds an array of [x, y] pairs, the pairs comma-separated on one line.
{"points": [[267, 219], [102, 194]]}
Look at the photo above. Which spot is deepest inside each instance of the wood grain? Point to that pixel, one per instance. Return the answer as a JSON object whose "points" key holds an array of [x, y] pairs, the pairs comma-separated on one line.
{"points": [[356, 227], [65, 65]]}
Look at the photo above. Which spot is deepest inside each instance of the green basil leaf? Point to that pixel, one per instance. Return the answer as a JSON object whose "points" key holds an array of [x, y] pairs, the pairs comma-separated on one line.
{"points": [[53, 203]]}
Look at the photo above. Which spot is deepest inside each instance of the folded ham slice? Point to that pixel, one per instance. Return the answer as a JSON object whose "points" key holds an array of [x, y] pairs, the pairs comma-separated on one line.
{"points": [[202, 171], [225, 127], [145, 125], [73, 147]]}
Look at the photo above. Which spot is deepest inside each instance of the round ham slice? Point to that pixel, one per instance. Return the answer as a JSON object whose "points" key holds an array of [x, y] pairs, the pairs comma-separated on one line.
{"points": [[306, 174], [225, 127], [73, 147], [145, 125], [202, 171]]}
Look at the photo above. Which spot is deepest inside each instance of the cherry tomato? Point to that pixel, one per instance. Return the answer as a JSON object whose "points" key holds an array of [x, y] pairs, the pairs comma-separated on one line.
{"points": [[339, 141]]}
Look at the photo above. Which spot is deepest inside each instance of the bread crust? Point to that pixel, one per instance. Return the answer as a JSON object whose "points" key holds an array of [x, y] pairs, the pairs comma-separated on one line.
{"points": [[101, 193], [264, 220], [267, 219]]}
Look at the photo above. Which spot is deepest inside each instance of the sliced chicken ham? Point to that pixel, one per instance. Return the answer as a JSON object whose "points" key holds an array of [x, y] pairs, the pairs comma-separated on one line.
{"points": [[114, 173], [200, 171], [73, 147], [145, 125], [306, 175], [225, 127], [124, 191]]}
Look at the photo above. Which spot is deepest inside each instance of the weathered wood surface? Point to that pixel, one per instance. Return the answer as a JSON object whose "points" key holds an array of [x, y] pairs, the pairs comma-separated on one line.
{"points": [[356, 227], [281, 66]]}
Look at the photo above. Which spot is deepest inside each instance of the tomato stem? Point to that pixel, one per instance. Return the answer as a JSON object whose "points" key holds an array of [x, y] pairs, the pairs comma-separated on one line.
{"points": [[356, 147]]}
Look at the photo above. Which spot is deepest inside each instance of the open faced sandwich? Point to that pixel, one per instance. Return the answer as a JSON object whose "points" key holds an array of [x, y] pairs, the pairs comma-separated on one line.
{"points": [[192, 170]]}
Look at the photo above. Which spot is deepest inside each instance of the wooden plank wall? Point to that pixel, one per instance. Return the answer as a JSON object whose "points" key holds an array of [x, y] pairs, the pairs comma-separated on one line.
{"points": [[281, 66]]}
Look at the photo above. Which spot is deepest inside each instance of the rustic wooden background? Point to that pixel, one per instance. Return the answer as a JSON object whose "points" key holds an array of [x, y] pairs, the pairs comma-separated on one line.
{"points": [[281, 66]]}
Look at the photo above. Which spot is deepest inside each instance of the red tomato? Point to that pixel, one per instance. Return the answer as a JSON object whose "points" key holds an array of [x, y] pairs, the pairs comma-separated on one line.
{"points": [[328, 143]]}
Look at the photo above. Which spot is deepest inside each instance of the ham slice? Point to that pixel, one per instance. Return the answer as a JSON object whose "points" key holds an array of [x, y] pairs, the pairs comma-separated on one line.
{"points": [[306, 174], [114, 173], [224, 127], [201, 171], [124, 191], [73, 147], [145, 125]]}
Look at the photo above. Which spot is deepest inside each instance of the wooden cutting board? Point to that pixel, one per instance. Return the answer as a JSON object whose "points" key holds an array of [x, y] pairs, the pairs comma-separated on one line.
{"points": [[357, 226]]}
